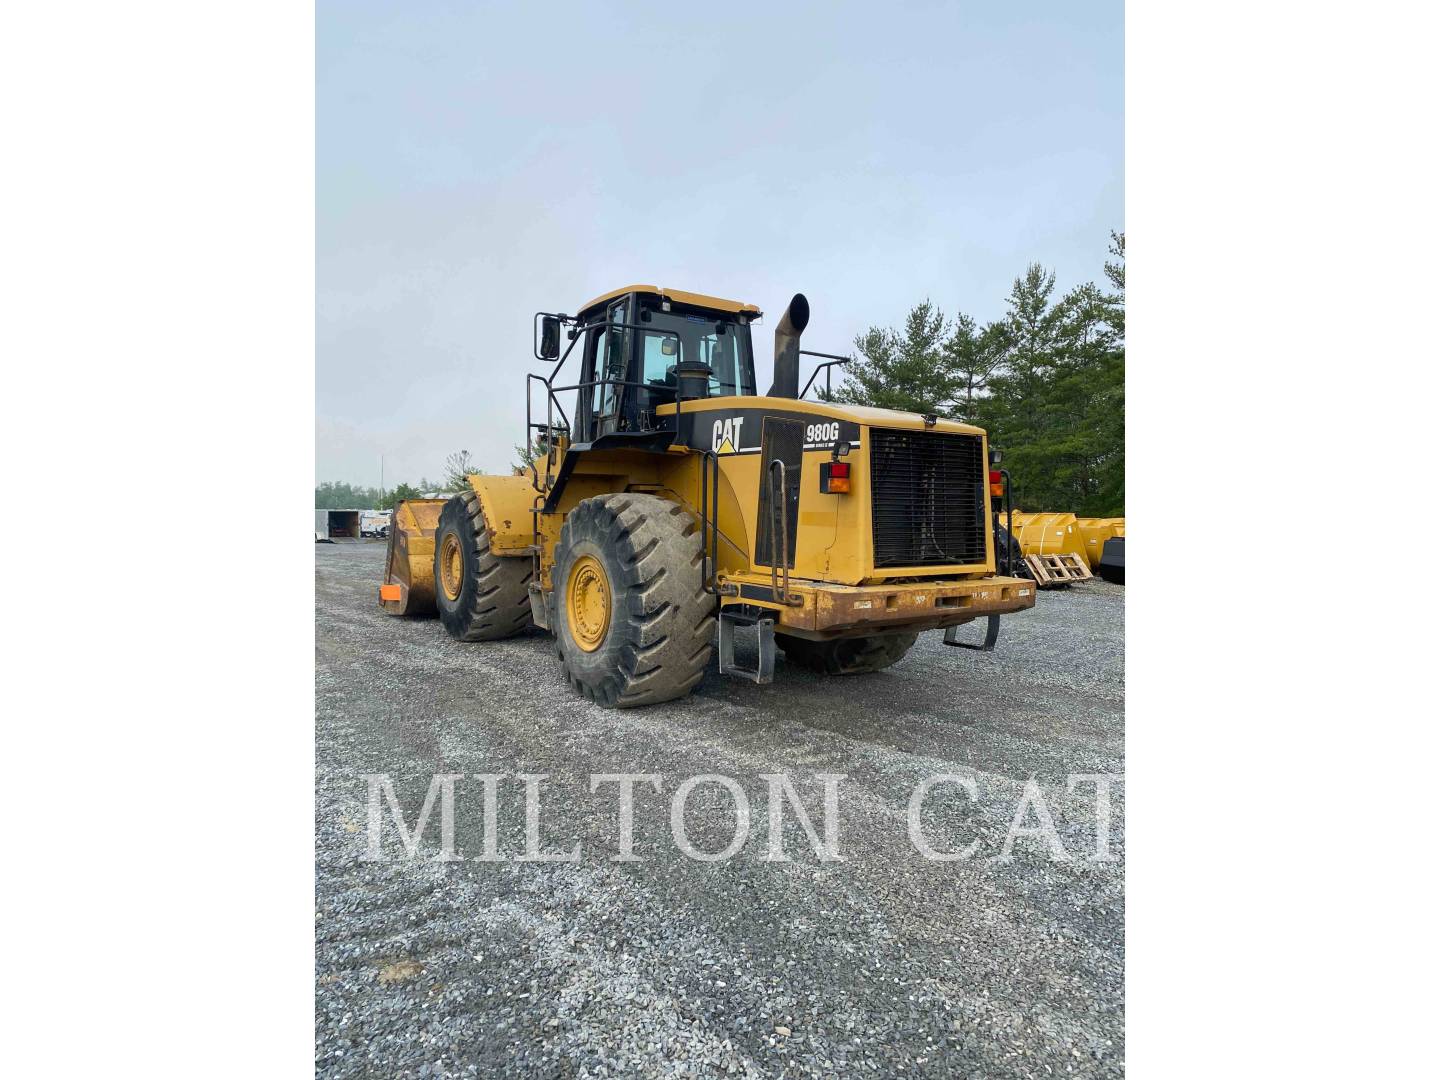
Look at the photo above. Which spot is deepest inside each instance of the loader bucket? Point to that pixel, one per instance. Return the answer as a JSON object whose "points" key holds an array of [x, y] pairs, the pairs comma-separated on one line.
{"points": [[409, 584], [1112, 561], [1049, 534], [1094, 532]]}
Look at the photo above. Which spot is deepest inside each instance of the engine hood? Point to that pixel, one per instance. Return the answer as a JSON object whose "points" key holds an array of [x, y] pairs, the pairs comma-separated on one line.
{"points": [[858, 414]]}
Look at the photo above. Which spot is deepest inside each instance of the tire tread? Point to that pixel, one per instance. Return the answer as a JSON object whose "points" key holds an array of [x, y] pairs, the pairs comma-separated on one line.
{"points": [[668, 619], [500, 604]]}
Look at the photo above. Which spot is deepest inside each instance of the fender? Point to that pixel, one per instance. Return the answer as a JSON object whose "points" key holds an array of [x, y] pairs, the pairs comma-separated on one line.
{"points": [[506, 502]]}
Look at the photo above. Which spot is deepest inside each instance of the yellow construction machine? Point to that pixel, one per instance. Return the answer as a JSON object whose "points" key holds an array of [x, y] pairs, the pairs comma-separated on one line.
{"points": [[677, 505]]}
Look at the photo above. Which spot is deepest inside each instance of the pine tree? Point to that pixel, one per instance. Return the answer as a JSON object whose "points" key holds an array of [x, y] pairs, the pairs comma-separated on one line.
{"points": [[1115, 273], [1018, 413], [1111, 403], [908, 371], [1056, 406], [973, 355], [1047, 381]]}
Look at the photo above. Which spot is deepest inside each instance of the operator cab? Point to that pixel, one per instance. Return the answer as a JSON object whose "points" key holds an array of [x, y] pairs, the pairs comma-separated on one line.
{"points": [[644, 347]]}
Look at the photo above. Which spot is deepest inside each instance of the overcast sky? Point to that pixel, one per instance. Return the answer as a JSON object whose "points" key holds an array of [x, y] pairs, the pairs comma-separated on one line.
{"points": [[479, 162]]}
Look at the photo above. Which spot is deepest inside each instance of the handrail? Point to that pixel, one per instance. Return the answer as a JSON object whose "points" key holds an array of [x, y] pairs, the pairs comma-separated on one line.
{"points": [[779, 536], [577, 333], [551, 404], [607, 382], [710, 522], [834, 361]]}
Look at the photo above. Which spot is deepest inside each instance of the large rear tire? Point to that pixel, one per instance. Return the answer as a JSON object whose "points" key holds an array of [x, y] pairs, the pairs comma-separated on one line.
{"points": [[480, 596], [846, 656], [633, 623]]}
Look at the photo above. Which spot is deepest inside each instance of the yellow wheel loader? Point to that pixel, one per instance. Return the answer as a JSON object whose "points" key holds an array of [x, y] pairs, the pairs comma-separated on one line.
{"points": [[676, 505]]}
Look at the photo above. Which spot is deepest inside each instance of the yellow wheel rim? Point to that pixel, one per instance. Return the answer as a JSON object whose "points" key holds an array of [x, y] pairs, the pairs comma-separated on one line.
{"points": [[452, 566], [587, 602]]}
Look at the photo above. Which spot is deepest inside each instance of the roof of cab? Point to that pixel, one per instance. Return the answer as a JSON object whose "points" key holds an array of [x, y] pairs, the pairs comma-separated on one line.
{"points": [[679, 296]]}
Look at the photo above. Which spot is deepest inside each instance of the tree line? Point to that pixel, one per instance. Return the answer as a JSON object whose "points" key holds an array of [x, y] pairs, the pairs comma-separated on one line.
{"points": [[1046, 380], [338, 495]]}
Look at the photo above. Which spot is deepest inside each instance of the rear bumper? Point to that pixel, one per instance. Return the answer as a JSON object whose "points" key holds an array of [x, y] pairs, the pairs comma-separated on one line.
{"points": [[819, 609]]}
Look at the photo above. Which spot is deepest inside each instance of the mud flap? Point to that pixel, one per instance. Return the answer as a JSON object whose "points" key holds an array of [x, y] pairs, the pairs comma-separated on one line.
{"points": [[763, 672], [539, 610]]}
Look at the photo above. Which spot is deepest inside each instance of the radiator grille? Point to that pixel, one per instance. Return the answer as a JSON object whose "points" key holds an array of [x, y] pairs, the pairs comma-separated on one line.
{"points": [[927, 497]]}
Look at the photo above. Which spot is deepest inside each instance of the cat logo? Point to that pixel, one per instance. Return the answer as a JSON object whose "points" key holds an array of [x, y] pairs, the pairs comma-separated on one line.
{"points": [[726, 438]]}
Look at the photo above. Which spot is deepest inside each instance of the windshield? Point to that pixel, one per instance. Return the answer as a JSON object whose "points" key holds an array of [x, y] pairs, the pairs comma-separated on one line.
{"points": [[718, 341]]}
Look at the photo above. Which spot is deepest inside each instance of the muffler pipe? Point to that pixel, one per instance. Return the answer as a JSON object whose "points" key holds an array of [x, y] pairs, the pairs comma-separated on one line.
{"points": [[787, 348]]}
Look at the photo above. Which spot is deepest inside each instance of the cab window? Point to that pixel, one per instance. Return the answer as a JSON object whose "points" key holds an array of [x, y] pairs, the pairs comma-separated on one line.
{"points": [[720, 343], [610, 364]]}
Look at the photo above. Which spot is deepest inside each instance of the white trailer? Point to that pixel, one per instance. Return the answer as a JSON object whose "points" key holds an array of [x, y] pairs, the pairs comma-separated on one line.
{"points": [[332, 525], [375, 523]]}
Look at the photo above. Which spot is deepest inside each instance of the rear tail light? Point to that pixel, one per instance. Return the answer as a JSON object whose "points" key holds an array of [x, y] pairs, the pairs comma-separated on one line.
{"points": [[997, 484], [835, 478]]}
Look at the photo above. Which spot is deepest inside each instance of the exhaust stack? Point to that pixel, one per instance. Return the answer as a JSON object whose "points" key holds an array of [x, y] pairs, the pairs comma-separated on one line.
{"points": [[787, 348]]}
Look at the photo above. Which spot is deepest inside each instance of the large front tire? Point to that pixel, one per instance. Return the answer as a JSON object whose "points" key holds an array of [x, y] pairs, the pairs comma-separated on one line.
{"points": [[846, 656], [479, 596], [633, 623]]}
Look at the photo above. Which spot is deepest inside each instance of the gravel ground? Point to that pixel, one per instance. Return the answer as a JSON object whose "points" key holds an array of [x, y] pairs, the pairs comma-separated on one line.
{"points": [[883, 964]]}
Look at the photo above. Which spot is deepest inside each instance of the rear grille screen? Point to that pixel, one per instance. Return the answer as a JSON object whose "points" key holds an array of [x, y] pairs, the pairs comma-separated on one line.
{"points": [[927, 498]]}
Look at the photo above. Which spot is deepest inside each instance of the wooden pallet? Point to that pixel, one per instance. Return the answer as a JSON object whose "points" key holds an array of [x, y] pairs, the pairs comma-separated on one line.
{"points": [[1051, 571]]}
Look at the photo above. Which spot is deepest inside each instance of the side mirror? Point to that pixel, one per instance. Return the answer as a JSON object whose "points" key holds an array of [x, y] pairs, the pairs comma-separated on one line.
{"points": [[549, 347]]}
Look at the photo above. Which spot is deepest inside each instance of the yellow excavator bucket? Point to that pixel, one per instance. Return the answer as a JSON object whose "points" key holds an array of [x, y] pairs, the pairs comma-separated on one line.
{"points": [[1049, 534], [1094, 532], [409, 585]]}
